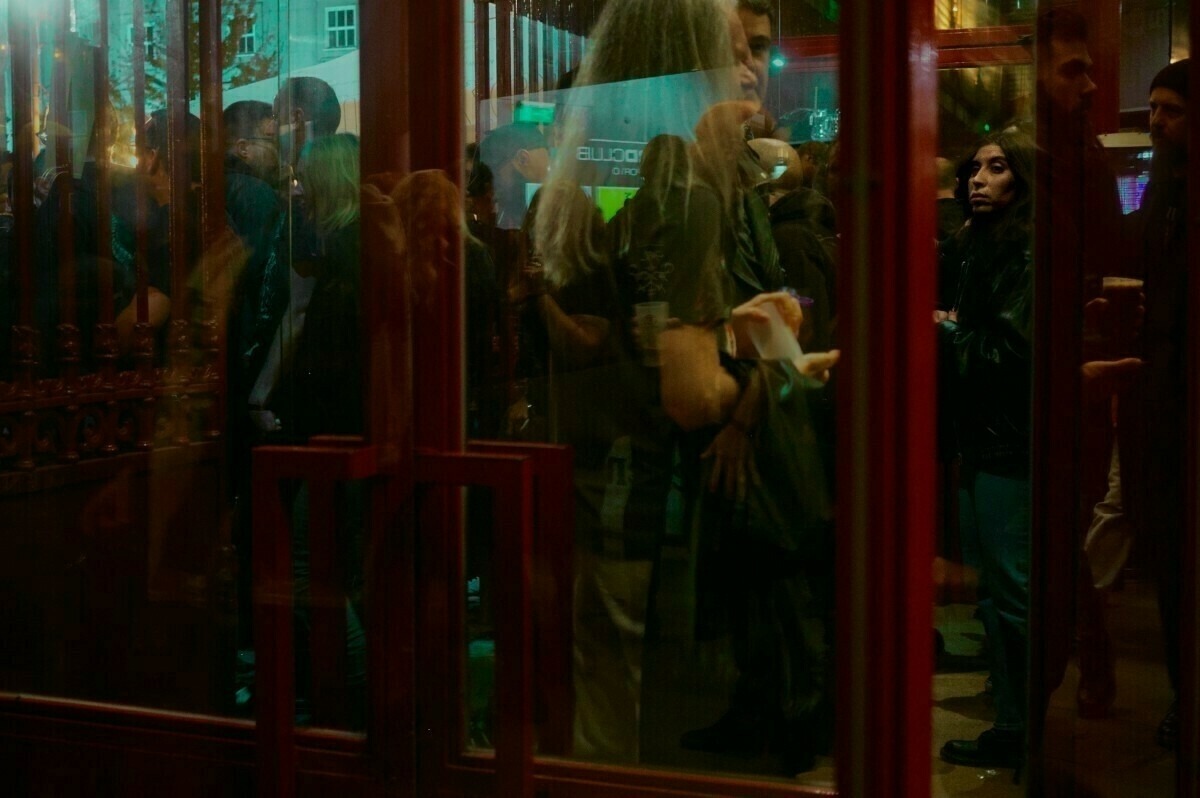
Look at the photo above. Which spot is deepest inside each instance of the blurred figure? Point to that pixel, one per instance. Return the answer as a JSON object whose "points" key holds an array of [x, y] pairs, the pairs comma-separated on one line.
{"points": [[757, 18], [155, 220], [1081, 224], [1152, 416], [798, 217], [313, 382], [689, 246], [305, 109], [518, 157], [813, 157], [949, 208], [260, 295], [986, 361]]}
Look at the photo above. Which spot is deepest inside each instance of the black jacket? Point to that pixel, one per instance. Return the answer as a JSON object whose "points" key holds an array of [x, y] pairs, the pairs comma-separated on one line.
{"points": [[986, 356], [800, 233]]}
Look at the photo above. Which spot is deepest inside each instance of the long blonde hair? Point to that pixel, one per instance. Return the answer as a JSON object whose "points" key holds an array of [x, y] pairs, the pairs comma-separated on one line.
{"points": [[329, 175], [432, 217], [685, 41]]}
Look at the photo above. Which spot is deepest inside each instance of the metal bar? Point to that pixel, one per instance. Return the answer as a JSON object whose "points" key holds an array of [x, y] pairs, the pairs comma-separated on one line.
{"points": [[886, 423]]}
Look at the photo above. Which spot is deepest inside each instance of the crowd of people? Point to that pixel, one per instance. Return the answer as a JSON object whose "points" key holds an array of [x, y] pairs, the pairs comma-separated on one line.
{"points": [[1114, 283], [683, 346]]}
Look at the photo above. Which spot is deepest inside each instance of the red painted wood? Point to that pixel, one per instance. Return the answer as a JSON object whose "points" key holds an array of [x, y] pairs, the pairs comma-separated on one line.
{"points": [[955, 48], [510, 479], [983, 56], [1188, 773], [275, 688], [1104, 46], [328, 608], [384, 110], [105, 338], [998, 35], [553, 574], [886, 472]]}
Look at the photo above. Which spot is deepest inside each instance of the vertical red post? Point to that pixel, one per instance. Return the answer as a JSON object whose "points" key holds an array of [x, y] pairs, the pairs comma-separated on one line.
{"points": [[1188, 767], [387, 140], [886, 427], [1104, 46]]}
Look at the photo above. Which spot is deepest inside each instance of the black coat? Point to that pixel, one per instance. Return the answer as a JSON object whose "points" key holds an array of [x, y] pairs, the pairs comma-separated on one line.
{"points": [[986, 355]]}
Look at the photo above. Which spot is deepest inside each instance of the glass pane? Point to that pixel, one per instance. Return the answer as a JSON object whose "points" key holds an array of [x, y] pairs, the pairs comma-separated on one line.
{"points": [[128, 574], [1077, 493], [982, 13], [618, 218]]}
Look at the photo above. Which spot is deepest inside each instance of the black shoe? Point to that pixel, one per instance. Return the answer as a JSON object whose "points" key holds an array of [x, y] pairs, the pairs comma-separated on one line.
{"points": [[732, 733], [992, 749], [1168, 729]]}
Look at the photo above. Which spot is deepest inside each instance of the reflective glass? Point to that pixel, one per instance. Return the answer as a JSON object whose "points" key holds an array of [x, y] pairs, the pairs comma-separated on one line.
{"points": [[650, 282], [1058, 618], [150, 344]]}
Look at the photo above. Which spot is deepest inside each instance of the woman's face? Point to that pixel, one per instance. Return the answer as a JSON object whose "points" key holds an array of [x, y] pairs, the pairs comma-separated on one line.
{"points": [[993, 184]]}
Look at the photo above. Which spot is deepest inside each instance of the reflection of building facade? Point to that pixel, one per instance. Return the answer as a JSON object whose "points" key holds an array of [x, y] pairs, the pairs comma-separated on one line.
{"points": [[315, 31]]}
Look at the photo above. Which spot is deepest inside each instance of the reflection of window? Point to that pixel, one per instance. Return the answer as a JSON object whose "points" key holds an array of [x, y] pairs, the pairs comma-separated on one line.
{"points": [[341, 27], [248, 41], [150, 48]]}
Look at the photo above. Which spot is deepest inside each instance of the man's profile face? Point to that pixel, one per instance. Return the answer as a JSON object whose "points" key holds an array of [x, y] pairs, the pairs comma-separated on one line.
{"points": [[261, 152], [742, 61], [1168, 120], [758, 36], [1067, 77]]}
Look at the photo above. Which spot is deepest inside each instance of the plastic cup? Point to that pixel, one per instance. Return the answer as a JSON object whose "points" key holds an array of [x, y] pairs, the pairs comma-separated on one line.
{"points": [[1124, 295]]}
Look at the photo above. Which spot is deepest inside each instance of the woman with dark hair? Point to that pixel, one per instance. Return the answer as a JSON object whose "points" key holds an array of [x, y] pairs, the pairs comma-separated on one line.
{"points": [[984, 333]]}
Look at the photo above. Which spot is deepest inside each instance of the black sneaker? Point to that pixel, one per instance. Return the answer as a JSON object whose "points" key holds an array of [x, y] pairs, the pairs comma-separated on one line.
{"points": [[994, 748]]}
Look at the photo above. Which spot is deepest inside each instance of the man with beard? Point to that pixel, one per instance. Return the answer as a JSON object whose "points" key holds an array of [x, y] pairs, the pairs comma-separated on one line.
{"points": [[1155, 414]]}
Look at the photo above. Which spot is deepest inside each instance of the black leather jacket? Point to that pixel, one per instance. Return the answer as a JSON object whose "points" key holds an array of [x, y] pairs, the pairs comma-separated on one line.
{"points": [[985, 356]]}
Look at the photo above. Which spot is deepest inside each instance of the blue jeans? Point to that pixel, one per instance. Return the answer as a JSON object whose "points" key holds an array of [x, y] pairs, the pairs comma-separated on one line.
{"points": [[994, 516]]}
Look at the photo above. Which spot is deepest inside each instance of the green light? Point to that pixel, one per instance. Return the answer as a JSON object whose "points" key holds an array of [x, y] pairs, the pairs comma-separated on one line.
{"points": [[987, 128], [778, 62]]}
